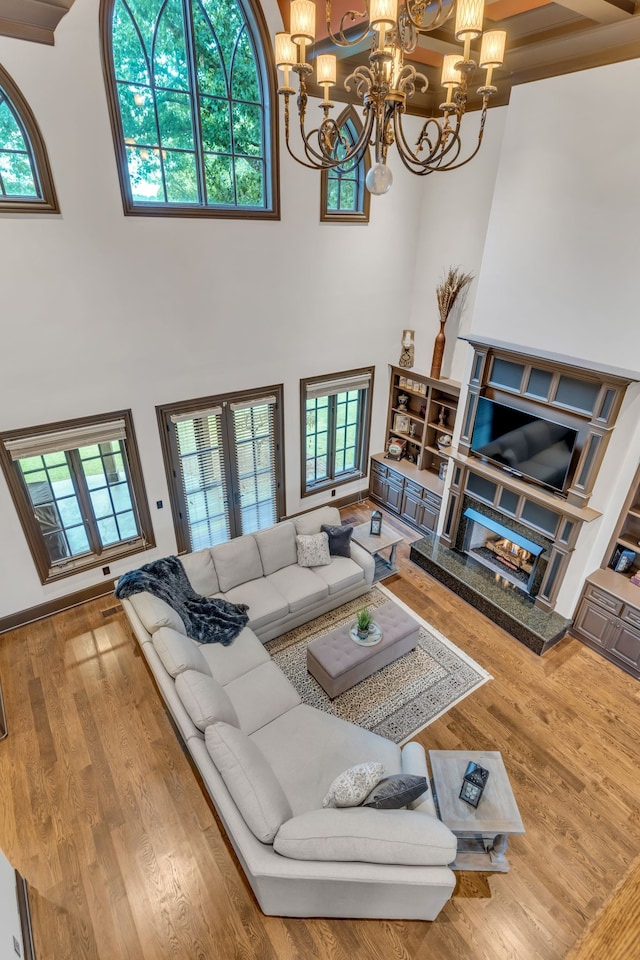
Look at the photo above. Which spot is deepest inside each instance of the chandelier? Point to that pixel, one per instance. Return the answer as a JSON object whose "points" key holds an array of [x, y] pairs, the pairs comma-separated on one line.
{"points": [[385, 85]]}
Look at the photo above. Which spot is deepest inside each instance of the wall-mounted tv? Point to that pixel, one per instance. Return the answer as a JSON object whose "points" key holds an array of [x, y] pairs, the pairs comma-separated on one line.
{"points": [[523, 443]]}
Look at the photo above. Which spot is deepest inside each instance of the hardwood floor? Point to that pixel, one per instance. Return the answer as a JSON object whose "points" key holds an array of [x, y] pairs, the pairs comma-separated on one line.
{"points": [[102, 813]]}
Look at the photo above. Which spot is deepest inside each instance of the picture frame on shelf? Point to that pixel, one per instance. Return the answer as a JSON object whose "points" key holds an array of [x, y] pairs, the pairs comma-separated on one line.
{"points": [[402, 382], [421, 388], [400, 423]]}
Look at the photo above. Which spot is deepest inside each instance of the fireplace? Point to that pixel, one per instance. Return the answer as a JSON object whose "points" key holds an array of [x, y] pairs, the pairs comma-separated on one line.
{"points": [[503, 550]]}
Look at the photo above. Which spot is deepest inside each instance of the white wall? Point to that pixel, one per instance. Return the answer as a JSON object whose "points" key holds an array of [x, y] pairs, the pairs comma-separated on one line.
{"points": [[560, 271], [102, 312], [455, 212]]}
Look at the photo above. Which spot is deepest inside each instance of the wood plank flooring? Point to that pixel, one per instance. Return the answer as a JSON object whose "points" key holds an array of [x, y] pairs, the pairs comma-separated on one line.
{"points": [[103, 814]]}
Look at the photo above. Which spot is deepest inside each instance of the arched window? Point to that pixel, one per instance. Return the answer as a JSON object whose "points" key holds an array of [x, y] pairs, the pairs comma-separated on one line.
{"points": [[191, 100], [26, 185], [343, 197]]}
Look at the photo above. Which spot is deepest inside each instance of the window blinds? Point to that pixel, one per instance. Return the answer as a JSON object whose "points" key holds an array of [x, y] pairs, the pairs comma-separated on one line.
{"points": [[327, 388], [203, 476], [254, 428], [60, 440]]}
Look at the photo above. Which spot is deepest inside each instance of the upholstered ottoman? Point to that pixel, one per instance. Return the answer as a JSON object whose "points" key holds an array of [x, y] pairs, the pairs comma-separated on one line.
{"points": [[337, 662]]}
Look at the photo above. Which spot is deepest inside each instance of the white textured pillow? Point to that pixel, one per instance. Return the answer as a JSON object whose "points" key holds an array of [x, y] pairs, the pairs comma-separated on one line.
{"points": [[249, 779], [204, 699], [354, 785], [313, 550], [178, 653], [366, 835]]}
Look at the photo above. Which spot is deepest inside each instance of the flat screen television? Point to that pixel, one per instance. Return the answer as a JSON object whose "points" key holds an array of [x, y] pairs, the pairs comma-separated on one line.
{"points": [[523, 444]]}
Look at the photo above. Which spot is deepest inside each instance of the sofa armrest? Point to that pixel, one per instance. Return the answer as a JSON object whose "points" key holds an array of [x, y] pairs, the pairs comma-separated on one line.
{"points": [[367, 835], [364, 560]]}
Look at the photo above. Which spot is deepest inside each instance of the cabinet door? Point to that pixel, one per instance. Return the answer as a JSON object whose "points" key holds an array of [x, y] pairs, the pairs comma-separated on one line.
{"points": [[594, 623], [429, 518], [411, 508], [379, 487], [626, 646], [394, 494]]}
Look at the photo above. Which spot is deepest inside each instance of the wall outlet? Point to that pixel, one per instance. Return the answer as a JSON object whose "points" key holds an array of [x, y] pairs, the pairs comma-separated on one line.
{"points": [[333, 493], [106, 571], [159, 504]]}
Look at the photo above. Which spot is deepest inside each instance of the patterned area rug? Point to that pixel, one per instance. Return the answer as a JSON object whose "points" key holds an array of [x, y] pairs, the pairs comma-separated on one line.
{"points": [[398, 700]]}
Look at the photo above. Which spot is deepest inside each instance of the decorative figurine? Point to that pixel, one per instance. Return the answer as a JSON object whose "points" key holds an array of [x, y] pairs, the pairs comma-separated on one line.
{"points": [[408, 349], [403, 402], [442, 419]]}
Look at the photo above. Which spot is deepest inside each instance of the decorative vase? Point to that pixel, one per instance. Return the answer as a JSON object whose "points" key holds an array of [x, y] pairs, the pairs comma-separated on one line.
{"points": [[362, 634], [438, 352]]}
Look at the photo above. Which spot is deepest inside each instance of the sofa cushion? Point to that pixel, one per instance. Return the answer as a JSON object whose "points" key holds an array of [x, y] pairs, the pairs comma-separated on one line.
{"points": [[277, 546], [155, 613], [236, 562], [178, 652], [339, 539], [201, 572], [204, 699], [341, 574], [299, 586], [313, 550], [336, 745], [371, 836], [396, 791], [249, 779], [241, 655], [354, 785], [312, 522], [260, 696], [265, 603]]}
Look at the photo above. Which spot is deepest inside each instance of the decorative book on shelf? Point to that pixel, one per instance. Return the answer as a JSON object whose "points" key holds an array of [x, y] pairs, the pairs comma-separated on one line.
{"points": [[622, 559], [635, 579]]}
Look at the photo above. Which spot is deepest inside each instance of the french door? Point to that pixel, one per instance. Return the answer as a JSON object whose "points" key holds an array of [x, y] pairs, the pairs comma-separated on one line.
{"points": [[223, 457]]}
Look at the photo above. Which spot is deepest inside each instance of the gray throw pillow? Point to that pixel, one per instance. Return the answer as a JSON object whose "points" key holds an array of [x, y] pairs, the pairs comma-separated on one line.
{"points": [[339, 539], [396, 791]]}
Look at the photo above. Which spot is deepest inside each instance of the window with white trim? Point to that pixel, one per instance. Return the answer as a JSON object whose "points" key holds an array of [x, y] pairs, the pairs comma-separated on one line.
{"points": [[335, 418], [79, 492], [223, 457]]}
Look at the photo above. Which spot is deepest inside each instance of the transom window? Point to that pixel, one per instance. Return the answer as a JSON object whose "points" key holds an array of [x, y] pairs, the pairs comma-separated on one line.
{"points": [[78, 489], [223, 457], [25, 178], [191, 92], [336, 413], [343, 197]]}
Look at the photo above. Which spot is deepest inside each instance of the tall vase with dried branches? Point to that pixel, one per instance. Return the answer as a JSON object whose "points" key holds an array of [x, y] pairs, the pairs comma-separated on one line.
{"points": [[448, 293]]}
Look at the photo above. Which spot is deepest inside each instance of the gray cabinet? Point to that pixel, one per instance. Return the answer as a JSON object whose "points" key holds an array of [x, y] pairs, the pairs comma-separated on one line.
{"points": [[416, 503], [610, 622]]}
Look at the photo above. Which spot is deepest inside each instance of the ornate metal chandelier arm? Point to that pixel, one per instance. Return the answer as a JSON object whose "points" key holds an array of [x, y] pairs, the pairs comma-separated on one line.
{"points": [[452, 165], [444, 142], [414, 11], [317, 160], [340, 39]]}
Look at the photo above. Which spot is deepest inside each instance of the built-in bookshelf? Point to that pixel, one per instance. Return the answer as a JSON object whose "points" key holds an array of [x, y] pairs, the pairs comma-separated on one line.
{"points": [[421, 414]]}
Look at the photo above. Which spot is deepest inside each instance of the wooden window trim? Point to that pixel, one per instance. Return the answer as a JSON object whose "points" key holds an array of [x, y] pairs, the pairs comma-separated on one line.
{"points": [[363, 439], [164, 413], [337, 216], [48, 202], [265, 55], [47, 572]]}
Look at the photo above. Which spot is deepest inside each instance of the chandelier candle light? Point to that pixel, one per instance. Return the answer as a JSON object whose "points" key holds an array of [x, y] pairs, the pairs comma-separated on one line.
{"points": [[386, 83]]}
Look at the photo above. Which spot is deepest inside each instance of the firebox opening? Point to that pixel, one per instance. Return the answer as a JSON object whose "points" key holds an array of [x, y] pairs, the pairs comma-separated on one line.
{"points": [[502, 550]]}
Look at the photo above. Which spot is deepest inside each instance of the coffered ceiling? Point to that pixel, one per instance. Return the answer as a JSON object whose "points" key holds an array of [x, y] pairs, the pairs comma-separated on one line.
{"points": [[544, 39]]}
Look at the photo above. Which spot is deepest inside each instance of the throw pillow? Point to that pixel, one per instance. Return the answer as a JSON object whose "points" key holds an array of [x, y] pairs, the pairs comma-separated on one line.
{"points": [[313, 550], [354, 785], [339, 539], [396, 791]]}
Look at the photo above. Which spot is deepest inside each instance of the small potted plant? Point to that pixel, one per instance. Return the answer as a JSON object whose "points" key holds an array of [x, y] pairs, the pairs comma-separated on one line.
{"points": [[364, 619]]}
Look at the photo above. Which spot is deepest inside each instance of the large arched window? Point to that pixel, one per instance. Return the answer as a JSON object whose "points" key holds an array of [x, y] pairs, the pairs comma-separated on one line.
{"points": [[26, 185], [192, 106], [343, 197]]}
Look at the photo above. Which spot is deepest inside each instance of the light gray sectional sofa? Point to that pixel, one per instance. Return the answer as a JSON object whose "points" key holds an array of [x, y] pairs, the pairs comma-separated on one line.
{"points": [[268, 760]]}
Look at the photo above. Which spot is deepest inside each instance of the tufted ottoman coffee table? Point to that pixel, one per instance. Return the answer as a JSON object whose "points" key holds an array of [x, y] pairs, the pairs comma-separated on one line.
{"points": [[338, 663]]}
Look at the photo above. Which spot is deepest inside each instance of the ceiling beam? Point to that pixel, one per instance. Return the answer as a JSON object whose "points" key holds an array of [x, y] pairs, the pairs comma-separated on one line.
{"points": [[601, 11], [34, 20]]}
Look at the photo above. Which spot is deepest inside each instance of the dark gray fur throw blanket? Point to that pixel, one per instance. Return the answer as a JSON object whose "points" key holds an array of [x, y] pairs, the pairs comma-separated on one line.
{"points": [[205, 619]]}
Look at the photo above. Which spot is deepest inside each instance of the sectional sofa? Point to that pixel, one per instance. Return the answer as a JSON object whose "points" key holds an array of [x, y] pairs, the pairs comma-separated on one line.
{"points": [[267, 759]]}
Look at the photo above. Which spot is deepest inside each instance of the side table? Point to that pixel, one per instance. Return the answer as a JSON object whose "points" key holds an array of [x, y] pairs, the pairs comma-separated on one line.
{"points": [[387, 539], [483, 832]]}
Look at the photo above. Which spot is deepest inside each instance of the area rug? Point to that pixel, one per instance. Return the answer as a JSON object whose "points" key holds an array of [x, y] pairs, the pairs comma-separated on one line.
{"points": [[397, 701]]}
